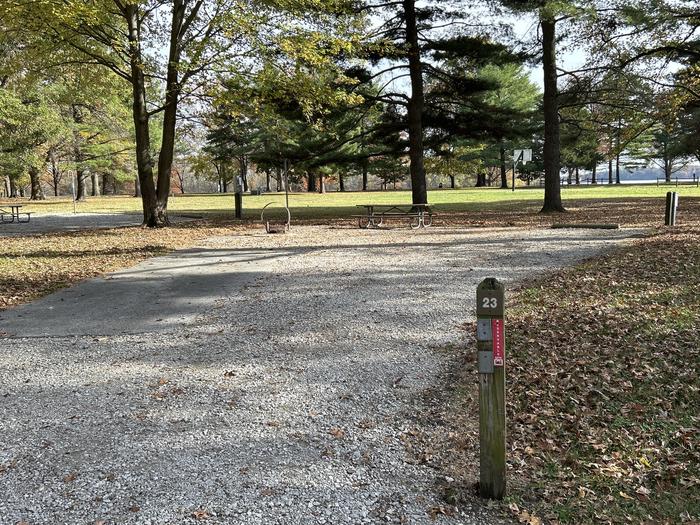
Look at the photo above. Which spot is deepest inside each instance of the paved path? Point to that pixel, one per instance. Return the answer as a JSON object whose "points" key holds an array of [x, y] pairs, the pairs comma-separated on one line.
{"points": [[257, 380]]}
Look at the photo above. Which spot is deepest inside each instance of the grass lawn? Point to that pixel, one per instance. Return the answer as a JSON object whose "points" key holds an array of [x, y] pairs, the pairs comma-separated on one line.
{"points": [[334, 205]]}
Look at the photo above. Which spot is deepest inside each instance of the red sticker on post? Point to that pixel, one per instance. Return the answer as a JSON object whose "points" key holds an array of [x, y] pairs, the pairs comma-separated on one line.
{"points": [[499, 342]]}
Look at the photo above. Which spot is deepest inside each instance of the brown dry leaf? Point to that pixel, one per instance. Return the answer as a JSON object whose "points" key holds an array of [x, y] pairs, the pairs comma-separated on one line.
{"points": [[440, 510], [337, 432], [201, 514], [70, 477]]}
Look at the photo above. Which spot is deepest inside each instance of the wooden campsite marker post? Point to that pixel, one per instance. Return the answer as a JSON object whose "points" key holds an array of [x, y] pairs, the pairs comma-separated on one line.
{"points": [[671, 208], [490, 337]]}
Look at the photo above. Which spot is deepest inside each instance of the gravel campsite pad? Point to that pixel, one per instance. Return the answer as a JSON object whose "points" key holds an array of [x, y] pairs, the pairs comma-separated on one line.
{"points": [[288, 398]]}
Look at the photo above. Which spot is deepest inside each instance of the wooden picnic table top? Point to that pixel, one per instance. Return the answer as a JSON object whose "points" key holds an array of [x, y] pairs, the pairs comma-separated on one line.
{"points": [[398, 206]]}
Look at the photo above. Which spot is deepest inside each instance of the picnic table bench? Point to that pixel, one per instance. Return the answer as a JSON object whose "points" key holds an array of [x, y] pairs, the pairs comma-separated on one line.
{"points": [[14, 214], [421, 215]]}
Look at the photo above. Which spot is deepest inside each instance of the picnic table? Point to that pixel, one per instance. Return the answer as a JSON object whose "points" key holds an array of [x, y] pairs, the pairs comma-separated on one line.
{"points": [[14, 214], [421, 215]]}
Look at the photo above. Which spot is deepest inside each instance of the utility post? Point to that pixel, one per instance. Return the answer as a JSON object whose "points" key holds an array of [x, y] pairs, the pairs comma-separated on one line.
{"points": [[490, 336]]}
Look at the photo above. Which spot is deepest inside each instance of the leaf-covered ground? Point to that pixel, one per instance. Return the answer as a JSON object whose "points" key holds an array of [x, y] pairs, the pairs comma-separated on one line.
{"points": [[35, 265], [603, 390]]}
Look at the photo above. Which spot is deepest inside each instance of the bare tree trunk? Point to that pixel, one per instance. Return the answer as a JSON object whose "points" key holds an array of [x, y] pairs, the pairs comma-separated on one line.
{"points": [[365, 169], [244, 174], [137, 185], [480, 180], [80, 176], [617, 169], [55, 171], [341, 182], [552, 184], [310, 182], [593, 174], [6, 185], [78, 155], [278, 173], [13, 188], [267, 180], [578, 177], [452, 182], [610, 171], [95, 182], [321, 183], [416, 104]]}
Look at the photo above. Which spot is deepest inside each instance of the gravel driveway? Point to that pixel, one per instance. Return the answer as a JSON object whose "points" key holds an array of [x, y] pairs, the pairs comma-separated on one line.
{"points": [[286, 400]]}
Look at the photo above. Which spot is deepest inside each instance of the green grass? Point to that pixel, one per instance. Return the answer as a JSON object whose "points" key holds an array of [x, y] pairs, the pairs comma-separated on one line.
{"points": [[314, 205]]}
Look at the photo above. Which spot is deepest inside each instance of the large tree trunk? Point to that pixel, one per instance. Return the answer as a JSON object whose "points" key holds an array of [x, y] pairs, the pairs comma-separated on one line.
{"points": [[610, 171], [268, 186], [593, 174], [552, 184], [504, 170], [95, 181], [37, 194], [80, 176], [341, 182], [6, 185], [144, 162], [452, 182], [137, 185], [13, 188], [278, 172], [172, 94], [321, 183], [416, 103], [310, 182], [480, 180], [617, 169], [578, 176]]}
